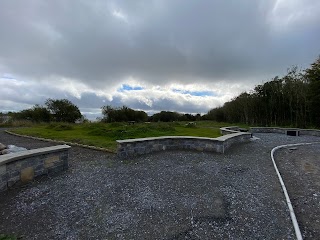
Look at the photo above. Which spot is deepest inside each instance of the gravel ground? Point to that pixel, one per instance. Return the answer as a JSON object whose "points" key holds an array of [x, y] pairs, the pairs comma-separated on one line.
{"points": [[300, 169], [168, 195]]}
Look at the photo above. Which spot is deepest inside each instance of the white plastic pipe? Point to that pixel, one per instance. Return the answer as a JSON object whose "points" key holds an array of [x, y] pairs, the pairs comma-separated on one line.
{"points": [[292, 214]]}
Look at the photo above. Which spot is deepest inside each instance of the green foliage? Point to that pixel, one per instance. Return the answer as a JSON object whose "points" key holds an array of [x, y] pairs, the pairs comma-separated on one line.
{"points": [[166, 116], [60, 126], [313, 77], [116, 124], [63, 110], [292, 100], [17, 123], [57, 110], [216, 114], [123, 114], [190, 125], [35, 114], [7, 237]]}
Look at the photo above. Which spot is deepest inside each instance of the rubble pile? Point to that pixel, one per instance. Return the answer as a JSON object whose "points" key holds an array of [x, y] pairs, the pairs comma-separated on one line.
{"points": [[10, 149]]}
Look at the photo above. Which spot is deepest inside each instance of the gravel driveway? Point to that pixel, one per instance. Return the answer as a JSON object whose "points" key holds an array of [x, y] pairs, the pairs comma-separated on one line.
{"points": [[168, 195]]}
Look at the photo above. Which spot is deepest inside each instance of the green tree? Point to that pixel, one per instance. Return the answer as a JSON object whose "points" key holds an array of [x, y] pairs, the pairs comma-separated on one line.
{"points": [[312, 75], [40, 114], [122, 114], [63, 110], [166, 116]]}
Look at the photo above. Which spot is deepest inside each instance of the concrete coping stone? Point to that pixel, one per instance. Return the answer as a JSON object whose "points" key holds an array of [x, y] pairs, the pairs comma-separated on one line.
{"points": [[279, 128], [30, 153], [218, 139], [230, 129]]}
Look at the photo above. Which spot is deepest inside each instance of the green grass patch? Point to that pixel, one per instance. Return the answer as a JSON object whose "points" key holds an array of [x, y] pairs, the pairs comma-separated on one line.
{"points": [[7, 237], [106, 134]]}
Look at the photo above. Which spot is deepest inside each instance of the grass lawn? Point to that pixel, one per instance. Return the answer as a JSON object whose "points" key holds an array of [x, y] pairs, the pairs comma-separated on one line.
{"points": [[105, 134]]}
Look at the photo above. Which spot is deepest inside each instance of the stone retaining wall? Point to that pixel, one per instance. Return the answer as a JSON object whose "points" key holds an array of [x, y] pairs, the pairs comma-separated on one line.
{"points": [[310, 132], [22, 167], [140, 146]]}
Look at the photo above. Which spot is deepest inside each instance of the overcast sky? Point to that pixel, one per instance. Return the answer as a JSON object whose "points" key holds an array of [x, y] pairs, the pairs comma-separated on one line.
{"points": [[152, 55]]}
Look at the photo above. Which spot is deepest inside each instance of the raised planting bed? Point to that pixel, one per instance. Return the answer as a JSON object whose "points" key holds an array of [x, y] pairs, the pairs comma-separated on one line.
{"points": [[140, 146]]}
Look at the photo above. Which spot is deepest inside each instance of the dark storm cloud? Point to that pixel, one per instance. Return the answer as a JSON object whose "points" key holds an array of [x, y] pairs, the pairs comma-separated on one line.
{"points": [[100, 42]]}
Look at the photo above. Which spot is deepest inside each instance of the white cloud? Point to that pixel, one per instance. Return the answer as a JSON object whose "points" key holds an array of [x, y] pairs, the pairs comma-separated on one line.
{"points": [[120, 15], [149, 99]]}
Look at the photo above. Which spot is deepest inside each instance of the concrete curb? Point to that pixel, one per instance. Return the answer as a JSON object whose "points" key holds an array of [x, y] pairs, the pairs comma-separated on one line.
{"points": [[284, 189], [63, 142]]}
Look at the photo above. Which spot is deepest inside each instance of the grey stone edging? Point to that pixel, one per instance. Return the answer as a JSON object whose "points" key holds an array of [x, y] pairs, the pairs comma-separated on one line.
{"points": [[63, 142]]}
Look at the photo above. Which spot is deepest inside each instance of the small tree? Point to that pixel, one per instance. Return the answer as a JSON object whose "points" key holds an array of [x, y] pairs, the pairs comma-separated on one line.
{"points": [[63, 110]]}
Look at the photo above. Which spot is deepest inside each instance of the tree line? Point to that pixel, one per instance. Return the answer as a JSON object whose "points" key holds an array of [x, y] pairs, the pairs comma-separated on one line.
{"points": [[54, 110], [122, 114], [63, 110], [292, 100]]}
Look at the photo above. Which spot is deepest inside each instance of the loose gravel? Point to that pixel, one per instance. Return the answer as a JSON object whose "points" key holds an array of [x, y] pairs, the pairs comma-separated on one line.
{"points": [[300, 167], [168, 195]]}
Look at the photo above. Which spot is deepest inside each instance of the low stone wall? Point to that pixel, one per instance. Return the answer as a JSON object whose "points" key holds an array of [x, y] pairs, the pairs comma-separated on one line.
{"points": [[310, 132], [267, 130], [140, 146], [22, 167]]}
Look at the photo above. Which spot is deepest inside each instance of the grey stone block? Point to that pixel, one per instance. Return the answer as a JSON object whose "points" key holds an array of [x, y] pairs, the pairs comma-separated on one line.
{"points": [[13, 174], [13, 180], [38, 167], [3, 186], [40, 172], [4, 177], [63, 157], [55, 169]]}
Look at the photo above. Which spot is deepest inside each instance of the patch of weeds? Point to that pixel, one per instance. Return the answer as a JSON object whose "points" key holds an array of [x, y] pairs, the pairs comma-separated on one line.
{"points": [[60, 126], [116, 124], [99, 132], [119, 134], [163, 127], [51, 125], [7, 237], [63, 127], [190, 125], [77, 140]]}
